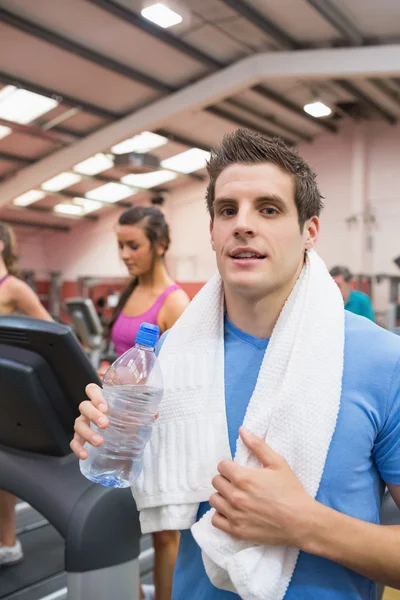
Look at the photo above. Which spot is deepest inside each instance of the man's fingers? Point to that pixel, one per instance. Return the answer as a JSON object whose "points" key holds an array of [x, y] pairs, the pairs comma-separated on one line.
{"points": [[223, 486], [78, 449], [95, 395], [86, 434], [93, 414], [221, 505], [220, 522]]}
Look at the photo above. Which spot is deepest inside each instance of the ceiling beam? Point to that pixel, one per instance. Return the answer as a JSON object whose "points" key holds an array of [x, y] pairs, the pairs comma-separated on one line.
{"points": [[128, 16], [243, 122], [64, 43], [64, 194], [49, 211], [35, 225], [292, 107], [338, 20], [61, 98], [22, 160], [328, 63], [172, 41], [267, 26], [351, 88], [383, 87], [48, 135], [92, 109], [182, 139], [270, 119]]}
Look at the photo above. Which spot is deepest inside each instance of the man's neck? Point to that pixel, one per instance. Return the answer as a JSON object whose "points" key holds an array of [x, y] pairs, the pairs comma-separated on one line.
{"points": [[258, 316]]}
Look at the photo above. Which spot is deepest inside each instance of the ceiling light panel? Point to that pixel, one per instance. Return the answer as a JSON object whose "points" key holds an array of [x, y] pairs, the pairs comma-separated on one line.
{"points": [[61, 181], [21, 106], [144, 142], [69, 209], [161, 15], [317, 109], [4, 131], [110, 192], [188, 161], [95, 164], [149, 180], [28, 198]]}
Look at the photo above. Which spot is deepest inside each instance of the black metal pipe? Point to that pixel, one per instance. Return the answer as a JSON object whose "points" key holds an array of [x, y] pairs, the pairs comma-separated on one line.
{"points": [[157, 32], [62, 98], [261, 22], [272, 120], [36, 225], [384, 88], [73, 47], [291, 106], [338, 21], [242, 122], [15, 158], [351, 88]]}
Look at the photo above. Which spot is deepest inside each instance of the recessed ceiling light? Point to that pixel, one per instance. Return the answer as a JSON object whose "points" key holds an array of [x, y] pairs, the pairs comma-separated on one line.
{"points": [[161, 15], [87, 205], [188, 161], [61, 181], [110, 192], [149, 180], [144, 142], [68, 209], [4, 131], [93, 165], [21, 106], [28, 198], [317, 109]]}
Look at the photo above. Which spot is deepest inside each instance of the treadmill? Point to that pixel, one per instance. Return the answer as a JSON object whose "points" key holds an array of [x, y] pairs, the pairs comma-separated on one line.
{"points": [[81, 540], [87, 325]]}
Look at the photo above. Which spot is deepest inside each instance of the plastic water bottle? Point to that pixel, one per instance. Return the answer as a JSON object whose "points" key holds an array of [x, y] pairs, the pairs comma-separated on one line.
{"points": [[133, 389]]}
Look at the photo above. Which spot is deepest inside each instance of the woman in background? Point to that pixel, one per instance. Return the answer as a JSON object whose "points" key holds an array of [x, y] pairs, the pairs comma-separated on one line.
{"points": [[152, 297], [15, 297]]}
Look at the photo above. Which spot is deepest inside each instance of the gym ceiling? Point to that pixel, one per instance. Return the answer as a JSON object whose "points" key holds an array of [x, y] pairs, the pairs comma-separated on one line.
{"points": [[78, 77]]}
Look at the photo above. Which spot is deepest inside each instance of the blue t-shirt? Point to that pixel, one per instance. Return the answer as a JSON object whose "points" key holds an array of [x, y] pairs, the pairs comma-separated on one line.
{"points": [[365, 449], [360, 304]]}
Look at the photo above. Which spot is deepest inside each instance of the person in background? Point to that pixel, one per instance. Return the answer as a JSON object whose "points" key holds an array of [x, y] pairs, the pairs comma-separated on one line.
{"points": [[15, 297], [151, 296], [354, 301]]}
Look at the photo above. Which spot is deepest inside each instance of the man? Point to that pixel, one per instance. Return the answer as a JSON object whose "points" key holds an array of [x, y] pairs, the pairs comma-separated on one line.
{"points": [[264, 205], [354, 301]]}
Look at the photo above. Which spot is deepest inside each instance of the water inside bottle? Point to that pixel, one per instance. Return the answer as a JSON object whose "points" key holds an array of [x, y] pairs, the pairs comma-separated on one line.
{"points": [[131, 413]]}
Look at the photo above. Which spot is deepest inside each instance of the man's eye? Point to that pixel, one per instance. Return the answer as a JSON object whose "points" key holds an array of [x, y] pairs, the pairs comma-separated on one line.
{"points": [[227, 212], [270, 211]]}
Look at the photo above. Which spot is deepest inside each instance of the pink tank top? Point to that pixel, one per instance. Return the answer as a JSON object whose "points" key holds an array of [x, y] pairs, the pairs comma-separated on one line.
{"points": [[124, 331], [2, 280]]}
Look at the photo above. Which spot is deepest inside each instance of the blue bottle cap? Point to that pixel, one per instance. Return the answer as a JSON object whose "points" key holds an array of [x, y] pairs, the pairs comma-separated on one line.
{"points": [[148, 335]]}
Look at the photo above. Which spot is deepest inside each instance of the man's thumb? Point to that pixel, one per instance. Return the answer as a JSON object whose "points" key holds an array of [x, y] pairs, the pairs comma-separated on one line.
{"points": [[265, 454]]}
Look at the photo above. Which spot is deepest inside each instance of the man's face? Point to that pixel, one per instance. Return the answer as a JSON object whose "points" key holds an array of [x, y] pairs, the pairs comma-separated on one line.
{"points": [[255, 233], [344, 286]]}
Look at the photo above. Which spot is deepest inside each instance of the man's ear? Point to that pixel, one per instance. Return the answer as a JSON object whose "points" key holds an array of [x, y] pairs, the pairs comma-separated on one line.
{"points": [[311, 232], [212, 234]]}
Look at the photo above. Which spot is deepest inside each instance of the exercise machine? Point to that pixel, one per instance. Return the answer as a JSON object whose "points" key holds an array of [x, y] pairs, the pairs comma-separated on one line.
{"points": [[87, 326], [91, 533]]}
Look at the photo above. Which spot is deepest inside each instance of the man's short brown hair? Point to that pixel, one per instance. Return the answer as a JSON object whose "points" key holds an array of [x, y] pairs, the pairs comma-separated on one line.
{"points": [[244, 146]]}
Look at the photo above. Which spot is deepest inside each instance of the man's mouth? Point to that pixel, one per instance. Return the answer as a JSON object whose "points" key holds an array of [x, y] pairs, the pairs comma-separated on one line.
{"points": [[247, 254]]}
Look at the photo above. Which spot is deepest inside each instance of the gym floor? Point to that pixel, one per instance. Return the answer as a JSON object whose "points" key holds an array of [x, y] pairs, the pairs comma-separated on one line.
{"points": [[391, 594]]}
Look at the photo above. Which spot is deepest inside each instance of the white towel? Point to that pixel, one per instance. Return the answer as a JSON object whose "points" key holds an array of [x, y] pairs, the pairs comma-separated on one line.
{"points": [[294, 407]]}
